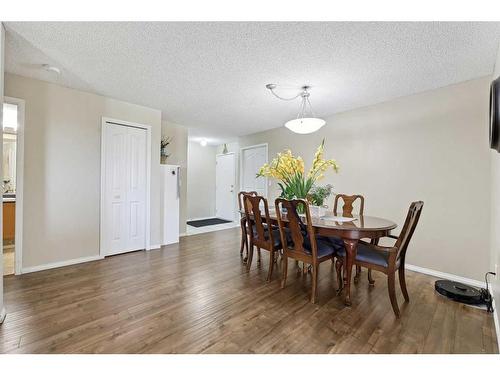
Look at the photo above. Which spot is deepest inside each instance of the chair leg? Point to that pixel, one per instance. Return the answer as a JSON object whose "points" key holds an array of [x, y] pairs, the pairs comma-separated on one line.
{"points": [[250, 256], [358, 274], [391, 278], [314, 283], [271, 265], [402, 282], [285, 271], [244, 241], [243, 235], [371, 280], [338, 269]]}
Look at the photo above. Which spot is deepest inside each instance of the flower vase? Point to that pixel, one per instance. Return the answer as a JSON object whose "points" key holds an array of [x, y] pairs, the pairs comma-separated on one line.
{"points": [[317, 211]]}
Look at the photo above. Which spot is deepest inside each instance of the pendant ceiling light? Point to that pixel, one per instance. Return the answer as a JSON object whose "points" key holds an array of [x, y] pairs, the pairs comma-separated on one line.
{"points": [[305, 122]]}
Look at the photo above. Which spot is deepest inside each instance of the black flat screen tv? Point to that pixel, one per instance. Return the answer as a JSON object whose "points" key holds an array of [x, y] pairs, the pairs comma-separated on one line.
{"points": [[495, 115]]}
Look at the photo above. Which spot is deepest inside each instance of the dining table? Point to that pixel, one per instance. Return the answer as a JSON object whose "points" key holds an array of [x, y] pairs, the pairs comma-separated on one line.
{"points": [[351, 230]]}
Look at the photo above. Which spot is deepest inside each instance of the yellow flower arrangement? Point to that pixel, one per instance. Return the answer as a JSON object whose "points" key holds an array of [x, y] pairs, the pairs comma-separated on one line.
{"points": [[289, 170]]}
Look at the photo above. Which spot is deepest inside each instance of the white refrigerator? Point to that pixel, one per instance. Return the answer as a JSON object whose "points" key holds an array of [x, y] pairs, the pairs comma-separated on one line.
{"points": [[170, 193]]}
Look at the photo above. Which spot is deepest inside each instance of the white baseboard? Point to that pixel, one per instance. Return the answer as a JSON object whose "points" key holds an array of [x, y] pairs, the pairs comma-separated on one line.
{"points": [[183, 234], [444, 275], [3, 313], [154, 247], [64, 263]]}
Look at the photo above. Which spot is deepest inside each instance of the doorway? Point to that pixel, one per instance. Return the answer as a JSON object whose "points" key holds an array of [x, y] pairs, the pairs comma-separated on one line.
{"points": [[125, 187], [12, 184], [252, 158], [225, 180], [205, 164]]}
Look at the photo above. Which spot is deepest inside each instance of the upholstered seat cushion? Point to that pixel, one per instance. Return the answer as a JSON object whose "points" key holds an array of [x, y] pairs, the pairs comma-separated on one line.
{"points": [[276, 235], [324, 248], [336, 242], [366, 254]]}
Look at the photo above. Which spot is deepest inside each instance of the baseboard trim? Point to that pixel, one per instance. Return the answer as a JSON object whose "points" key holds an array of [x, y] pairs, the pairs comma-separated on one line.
{"points": [[444, 275], [154, 247], [63, 263], [3, 314]]}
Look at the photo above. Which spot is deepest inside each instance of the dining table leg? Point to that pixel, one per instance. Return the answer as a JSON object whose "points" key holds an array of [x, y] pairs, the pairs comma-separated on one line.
{"points": [[351, 248]]}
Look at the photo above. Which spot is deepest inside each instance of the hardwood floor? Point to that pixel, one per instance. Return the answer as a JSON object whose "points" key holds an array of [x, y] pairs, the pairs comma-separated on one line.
{"points": [[196, 297]]}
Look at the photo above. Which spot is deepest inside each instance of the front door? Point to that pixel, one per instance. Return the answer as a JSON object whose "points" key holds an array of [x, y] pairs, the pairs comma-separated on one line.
{"points": [[224, 187]]}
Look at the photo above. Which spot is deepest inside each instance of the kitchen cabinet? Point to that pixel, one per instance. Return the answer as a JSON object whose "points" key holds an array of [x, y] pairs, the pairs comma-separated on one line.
{"points": [[9, 222]]}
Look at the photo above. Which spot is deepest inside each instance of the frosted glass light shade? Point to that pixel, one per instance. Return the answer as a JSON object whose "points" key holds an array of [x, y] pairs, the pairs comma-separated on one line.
{"points": [[305, 125]]}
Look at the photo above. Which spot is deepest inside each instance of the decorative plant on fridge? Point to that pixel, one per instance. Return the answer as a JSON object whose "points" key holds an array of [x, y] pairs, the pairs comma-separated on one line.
{"points": [[165, 141]]}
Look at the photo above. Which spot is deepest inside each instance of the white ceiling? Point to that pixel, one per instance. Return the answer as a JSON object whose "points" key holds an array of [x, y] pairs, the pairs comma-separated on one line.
{"points": [[211, 76]]}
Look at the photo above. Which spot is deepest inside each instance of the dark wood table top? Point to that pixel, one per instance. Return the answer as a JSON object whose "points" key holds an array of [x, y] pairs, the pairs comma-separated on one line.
{"points": [[360, 222]]}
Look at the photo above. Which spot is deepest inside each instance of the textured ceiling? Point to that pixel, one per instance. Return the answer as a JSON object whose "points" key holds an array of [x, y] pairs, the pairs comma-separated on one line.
{"points": [[211, 76]]}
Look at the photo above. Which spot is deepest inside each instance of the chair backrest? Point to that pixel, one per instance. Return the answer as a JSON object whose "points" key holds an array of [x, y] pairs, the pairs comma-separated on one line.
{"points": [[408, 228], [240, 197], [258, 228], [297, 230], [348, 204]]}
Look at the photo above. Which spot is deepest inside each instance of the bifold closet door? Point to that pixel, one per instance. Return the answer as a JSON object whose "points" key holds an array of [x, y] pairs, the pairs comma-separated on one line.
{"points": [[124, 201]]}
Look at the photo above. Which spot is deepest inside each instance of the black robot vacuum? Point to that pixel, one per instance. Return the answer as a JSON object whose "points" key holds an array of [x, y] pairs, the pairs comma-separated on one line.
{"points": [[465, 293], [459, 292]]}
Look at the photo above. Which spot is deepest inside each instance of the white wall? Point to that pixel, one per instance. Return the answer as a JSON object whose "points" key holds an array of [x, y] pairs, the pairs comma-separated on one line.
{"points": [[2, 43], [62, 168], [431, 146], [201, 181], [495, 212]]}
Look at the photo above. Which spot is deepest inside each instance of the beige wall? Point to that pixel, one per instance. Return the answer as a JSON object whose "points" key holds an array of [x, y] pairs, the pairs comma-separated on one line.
{"points": [[432, 146], [2, 42], [62, 168], [495, 211], [201, 181], [178, 156]]}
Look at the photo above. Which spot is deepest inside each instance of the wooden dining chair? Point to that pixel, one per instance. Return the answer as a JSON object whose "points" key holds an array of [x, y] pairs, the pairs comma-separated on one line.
{"points": [[262, 234], [299, 240], [389, 259], [243, 222], [348, 204], [347, 209]]}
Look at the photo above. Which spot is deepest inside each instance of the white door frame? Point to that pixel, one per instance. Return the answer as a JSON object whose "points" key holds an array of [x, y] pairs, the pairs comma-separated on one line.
{"points": [[104, 120], [234, 184], [242, 149], [18, 236]]}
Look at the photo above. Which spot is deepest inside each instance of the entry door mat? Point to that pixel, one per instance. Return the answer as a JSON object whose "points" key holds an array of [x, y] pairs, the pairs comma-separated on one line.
{"points": [[206, 222]]}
